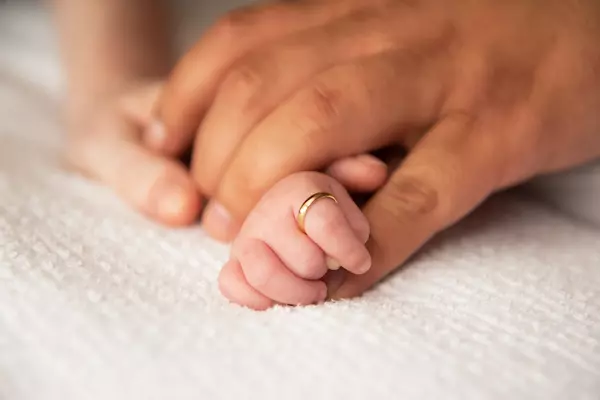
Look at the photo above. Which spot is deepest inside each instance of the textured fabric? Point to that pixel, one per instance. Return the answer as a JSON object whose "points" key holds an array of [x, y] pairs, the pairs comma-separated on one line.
{"points": [[97, 302]]}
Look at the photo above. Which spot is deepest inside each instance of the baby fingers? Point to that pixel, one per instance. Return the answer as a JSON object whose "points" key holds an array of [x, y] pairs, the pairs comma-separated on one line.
{"points": [[327, 225], [235, 287], [267, 274]]}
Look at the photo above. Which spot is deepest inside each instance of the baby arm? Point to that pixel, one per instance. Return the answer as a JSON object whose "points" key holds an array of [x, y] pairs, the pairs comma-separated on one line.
{"points": [[274, 262]]}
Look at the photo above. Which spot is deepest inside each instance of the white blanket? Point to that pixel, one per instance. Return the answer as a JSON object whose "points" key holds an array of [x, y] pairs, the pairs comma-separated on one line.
{"points": [[98, 303]]}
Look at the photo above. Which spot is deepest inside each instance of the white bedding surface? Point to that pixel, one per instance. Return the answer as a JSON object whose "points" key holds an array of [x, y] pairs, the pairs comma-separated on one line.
{"points": [[98, 303]]}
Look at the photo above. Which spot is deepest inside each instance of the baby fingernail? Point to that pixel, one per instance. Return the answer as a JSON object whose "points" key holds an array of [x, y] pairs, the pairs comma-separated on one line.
{"points": [[156, 135], [332, 264], [365, 267]]}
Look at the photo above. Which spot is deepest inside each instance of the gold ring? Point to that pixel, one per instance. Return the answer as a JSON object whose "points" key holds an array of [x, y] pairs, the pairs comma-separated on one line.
{"points": [[309, 202]]}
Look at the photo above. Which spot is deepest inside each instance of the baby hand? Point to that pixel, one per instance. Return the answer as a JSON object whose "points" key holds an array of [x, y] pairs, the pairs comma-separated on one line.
{"points": [[274, 262]]}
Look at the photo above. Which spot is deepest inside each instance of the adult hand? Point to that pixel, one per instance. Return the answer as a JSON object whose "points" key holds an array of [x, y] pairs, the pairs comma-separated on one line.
{"points": [[484, 94], [105, 143]]}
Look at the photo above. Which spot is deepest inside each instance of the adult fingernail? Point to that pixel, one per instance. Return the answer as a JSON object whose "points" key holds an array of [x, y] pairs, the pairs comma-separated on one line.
{"points": [[173, 200], [156, 135], [218, 222], [218, 214], [332, 264]]}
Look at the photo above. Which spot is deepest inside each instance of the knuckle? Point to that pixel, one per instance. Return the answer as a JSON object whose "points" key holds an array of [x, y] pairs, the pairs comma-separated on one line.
{"points": [[323, 102], [245, 82], [254, 172], [326, 223], [231, 25], [240, 187], [311, 265], [258, 274], [411, 197], [260, 278], [319, 111]]}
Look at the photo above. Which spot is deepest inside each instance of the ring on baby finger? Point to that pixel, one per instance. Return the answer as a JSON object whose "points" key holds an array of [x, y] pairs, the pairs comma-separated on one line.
{"points": [[307, 204]]}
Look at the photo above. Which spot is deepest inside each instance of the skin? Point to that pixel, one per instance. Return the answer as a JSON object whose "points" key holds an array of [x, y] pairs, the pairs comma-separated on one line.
{"points": [[111, 92], [115, 54], [273, 262], [484, 95], [108, 147]]}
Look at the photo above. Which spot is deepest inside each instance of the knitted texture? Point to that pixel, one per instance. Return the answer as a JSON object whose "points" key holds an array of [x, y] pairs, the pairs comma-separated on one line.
{"points": [[97, 302]]}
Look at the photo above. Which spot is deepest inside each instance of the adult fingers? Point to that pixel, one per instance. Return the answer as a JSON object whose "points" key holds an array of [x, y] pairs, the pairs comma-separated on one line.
{"points": [[266, 273], [327, 226], [360, 174], [157, 186], [197, 76], [138, 104], [257, 83], [346, 110], [452, 169]]}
